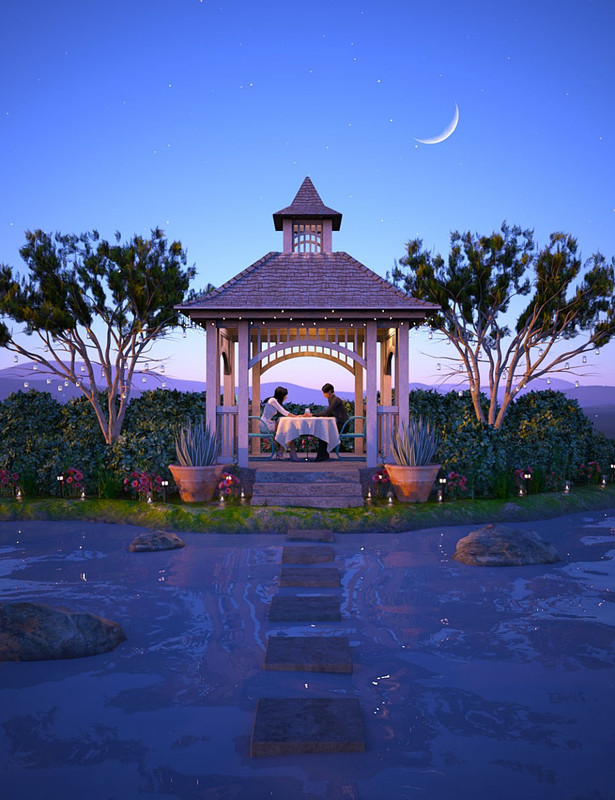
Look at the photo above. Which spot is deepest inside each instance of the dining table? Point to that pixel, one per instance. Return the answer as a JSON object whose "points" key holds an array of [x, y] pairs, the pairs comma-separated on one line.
{"points": [[324, 428]]}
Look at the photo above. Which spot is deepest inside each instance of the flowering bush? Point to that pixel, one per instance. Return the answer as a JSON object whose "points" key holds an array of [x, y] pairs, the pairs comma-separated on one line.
{"points": [[591, 472], [8, 482], [456, 484], [142, 485], [554, 482], [381, 482], [229, 486], [72, 482]]}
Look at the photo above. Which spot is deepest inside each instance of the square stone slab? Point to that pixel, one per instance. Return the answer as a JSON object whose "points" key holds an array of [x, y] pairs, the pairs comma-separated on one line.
{"points": [[289, 726], [307, 554], [304, 609], [310, 576], [315, 535], [309, 653]]}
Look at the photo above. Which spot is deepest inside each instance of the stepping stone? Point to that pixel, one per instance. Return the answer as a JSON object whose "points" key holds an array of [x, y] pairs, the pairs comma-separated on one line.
{"points": [[309, 654], [316, 535], [289, 726], [305, 609], [310, 576], [302, 554]]}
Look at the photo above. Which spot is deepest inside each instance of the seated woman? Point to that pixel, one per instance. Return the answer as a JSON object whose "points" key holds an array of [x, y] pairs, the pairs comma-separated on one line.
{"points": [[272, 407]]}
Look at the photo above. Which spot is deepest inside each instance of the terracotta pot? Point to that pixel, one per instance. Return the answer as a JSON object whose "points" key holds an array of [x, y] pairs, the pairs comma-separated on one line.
{"points": [[197, 484], [412, 484]]}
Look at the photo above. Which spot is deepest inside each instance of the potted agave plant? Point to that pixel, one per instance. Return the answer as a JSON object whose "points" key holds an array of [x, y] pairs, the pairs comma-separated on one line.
{"points": [[413, 474], [196, 474]]}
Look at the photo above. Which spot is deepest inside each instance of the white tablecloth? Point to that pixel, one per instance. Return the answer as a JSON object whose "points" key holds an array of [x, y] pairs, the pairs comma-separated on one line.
{"points": [[324, 428]]}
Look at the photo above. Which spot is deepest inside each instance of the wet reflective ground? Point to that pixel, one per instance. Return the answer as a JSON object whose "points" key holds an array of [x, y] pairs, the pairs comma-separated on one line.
{"points": [[474, 682]]}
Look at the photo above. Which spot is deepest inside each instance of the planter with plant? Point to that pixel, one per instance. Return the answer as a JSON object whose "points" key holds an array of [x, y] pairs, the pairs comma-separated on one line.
{"points": [[196, 474], [412, 474]]}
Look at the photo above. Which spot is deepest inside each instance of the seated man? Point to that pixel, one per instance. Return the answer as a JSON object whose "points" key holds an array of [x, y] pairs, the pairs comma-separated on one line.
{"points": [[337, 409]]}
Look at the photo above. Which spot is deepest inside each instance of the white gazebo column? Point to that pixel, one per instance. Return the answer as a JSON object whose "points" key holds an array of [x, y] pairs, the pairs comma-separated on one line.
{"points": [[212, 375], [371, 411], [358, 405], [243, 410], [402, 374], [256, 405]]}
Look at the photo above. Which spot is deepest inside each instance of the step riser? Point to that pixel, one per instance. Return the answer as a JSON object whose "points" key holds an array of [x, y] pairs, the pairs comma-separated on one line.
{"points": [[307, 502], [298, 490]]}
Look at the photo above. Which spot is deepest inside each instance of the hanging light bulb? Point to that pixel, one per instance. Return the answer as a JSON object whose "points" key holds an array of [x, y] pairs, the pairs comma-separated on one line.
{"points": [[26, 384], [16, 359], [438, 366], [566, 365], [585, 359], [576, 384], [597, 351], [430, 335]]}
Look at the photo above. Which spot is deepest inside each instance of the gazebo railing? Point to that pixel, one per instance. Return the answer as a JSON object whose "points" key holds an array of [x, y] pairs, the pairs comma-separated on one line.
{"points": [[387, 420], [227, 430]]}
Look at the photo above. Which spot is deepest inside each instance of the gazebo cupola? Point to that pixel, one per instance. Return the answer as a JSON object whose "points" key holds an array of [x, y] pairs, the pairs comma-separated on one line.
{"points": [[307, 222]]}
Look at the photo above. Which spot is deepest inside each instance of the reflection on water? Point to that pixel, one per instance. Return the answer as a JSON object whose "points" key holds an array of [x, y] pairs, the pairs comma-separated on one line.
{"points": [[455, 667]]}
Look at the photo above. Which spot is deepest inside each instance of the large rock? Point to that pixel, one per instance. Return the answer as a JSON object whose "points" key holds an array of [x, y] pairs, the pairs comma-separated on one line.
{"points": [[155, 540], [499, 546], [36, 632]]}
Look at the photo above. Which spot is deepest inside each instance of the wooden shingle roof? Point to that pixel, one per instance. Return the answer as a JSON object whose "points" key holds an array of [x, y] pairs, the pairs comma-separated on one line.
{"points": [[311, 282], [307, 204]]}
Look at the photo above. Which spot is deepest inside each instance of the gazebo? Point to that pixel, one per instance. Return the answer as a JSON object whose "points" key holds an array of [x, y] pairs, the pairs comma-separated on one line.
{"points": [[307, 300]]}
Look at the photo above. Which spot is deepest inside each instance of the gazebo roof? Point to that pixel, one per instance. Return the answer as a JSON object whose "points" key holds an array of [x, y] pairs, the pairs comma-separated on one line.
{"points": [[307, 204], [315, 282]]}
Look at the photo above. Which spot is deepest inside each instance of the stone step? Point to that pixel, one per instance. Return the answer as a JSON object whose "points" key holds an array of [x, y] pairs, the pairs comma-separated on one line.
{"points": [[307, 476], [332, 489], [308, 502], [309, 654], [305, 608], [309, 535], [290, 726], [326, 577], [307, 554]]}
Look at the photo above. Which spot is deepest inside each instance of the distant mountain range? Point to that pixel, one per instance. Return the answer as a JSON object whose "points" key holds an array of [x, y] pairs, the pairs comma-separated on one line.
{"points": [[597, 401]]}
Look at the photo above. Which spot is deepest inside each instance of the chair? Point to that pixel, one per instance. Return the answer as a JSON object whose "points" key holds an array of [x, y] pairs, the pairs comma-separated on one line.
{"points": [[263, 433], [349, 432]]}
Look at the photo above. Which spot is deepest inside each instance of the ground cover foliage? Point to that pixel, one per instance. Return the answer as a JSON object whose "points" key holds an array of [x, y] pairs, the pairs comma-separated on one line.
{"points": [[544, 433], [375, 518]]}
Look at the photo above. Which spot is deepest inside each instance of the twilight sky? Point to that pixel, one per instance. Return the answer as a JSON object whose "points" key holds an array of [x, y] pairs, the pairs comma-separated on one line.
{"points": [[204, 116]]}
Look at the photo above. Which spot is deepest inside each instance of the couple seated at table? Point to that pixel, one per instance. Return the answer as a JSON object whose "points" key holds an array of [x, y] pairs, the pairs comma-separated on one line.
{"points": [[273, 408]]}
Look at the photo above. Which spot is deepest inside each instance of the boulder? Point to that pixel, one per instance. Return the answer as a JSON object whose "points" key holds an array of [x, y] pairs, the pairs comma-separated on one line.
{"points": [[36, 632], [499, 546], [155, 540]]}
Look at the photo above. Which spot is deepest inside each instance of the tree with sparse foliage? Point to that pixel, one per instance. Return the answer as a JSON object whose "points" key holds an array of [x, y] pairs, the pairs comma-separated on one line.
{"points": [[568, 301], [94, 303]]}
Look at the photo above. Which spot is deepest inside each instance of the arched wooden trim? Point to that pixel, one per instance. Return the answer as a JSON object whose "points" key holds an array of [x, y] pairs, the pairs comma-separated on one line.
{"points": [[335, 360], [302, 343]]}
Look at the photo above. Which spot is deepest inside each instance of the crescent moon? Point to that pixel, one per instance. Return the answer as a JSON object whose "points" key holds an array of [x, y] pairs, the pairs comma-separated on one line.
{"points": [[448, 131]]}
